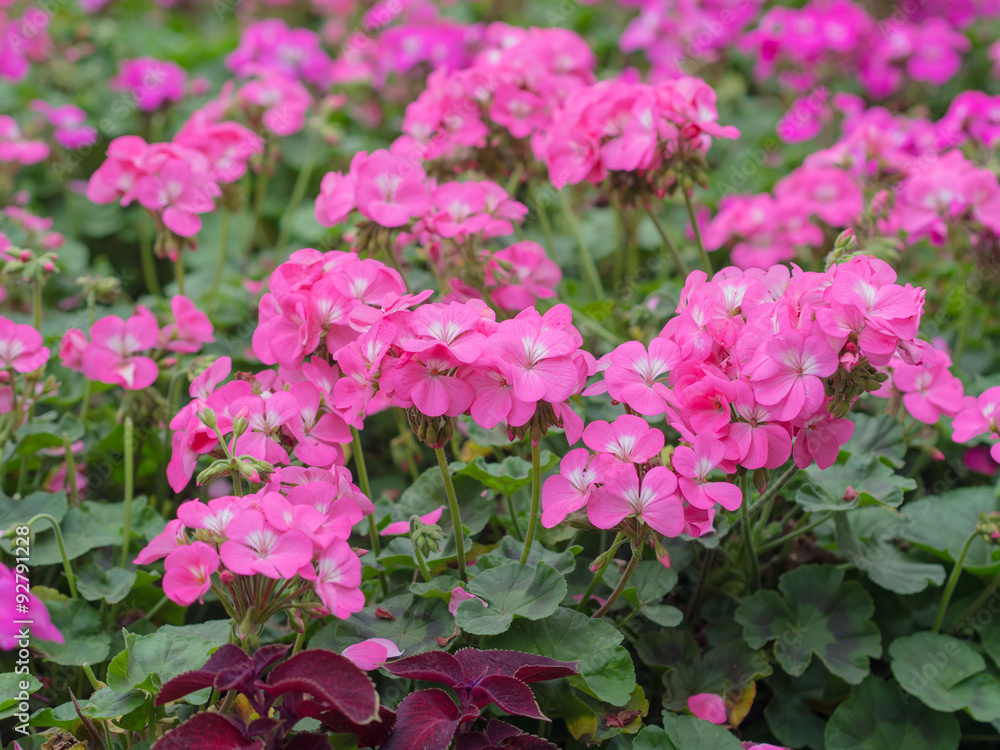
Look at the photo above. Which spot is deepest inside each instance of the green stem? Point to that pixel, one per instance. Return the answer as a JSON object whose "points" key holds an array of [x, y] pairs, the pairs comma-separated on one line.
{"points": [[298, 190], [362, 469], [300, 639], [668, 243], [456, 518], [220, 261], [587, 265], [949, 588], [700, 587], [705, 261], [974, 607], [793, 534], [599, 575], [747, 531], [543, 219], [179, 271], [147, 259], [129, 489], [421, 563], [260, 187], [85, 401], [629, 570], [67, 568], [515, 527], [151, 612], [36, 304], [74, 495], [536, 491], [774, 489]]}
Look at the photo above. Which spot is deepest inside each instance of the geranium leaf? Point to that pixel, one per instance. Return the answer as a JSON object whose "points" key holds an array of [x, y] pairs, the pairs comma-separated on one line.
{"points": [[511, 591], [946, 674], [819, 614], [863, 480], [878, 716]]}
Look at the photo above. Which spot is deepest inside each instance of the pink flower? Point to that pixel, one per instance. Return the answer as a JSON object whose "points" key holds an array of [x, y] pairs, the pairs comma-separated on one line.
{"points": [[629, 439], [162, 544], [819, 439], [179, 192], [789, 377], [41, 626], [427, 381], [337, 579], [390, 189], [522, 274], [653, 501], [152, 82], [336, 198], [113, 355], [71, 349], [191, 328], [753, 443], [459, 595], [930, 390], [709, 707], [535, 359], [694, 464], [267, 416], [189, 570], [21, 347], [254, 546], [403, 527], [372, 653], [637, 377], [981, 415], [117, 177], [570, 489]]}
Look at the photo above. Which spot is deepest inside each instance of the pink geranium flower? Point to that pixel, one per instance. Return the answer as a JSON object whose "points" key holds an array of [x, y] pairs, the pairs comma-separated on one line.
{"points": [[980, 415], [191, 327], [427, 381], [21, 347], [709, 707], [789, 379], [255, 546], [189, 570], [570, 489], [114, 353], [693, 466], [390, 189], [403, 527], [629, 439], [41, 626], [653, 501], [337, 579]]}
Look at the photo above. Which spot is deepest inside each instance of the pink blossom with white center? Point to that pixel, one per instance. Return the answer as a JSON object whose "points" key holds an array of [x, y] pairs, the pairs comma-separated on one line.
{"points": [[754, 441], [427, 381], [267, 416], [337, 578], [629, 439], [255, 546], [693, 466], [570, 489], [189, 570], [637, 376], [978, 416], [789, 376], [653, 501], [318, 434], [21, 347], [819, 439], [113, 355], [390, 189], [371, 654]]}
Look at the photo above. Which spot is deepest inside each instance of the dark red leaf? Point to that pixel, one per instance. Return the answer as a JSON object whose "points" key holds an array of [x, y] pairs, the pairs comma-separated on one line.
{"points": [[327, 677], [266, 656], [509, 693], [433, 666], [500, 735], [307, 741], [384, 614], [184, 684], [228, 657], [371, 734], [207, 731], [425, 720], [497, 731], [527, 668], [472, 741]]}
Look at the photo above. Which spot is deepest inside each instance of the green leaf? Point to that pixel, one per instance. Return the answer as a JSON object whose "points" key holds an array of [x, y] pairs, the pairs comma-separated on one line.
{"points": [[414, 625], [507, 476], [883, 563], [13, 512], [11, 687], [33, 436], [110, 704], [789, 714], [150, 660], [81, 627], [878, 716], [727, 668], [62, 717], [863, 476], [606, 669], [511, 590], [95, 582], [946, 674], [819, 614], [941, 524], [589, 720], [685, 733], [879, 436], [509, 550], [648, 585]]}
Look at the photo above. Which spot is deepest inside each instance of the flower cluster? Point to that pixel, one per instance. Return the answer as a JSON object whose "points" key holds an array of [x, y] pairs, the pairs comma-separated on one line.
{"points": [[123, 351]]}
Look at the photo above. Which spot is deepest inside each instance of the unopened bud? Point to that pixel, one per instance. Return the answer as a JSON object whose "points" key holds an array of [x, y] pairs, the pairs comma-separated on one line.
{"points": [[208, 418]]}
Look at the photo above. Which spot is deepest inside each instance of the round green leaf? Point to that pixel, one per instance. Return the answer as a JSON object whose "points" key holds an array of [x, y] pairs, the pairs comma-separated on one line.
{"points": [[511, 590], [879, 716]]}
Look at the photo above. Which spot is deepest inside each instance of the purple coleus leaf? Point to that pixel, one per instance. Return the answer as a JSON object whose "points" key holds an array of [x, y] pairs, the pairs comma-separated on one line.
{"points": [[500, 735], [425, 720], [228, 668], [371, 734], [207, 731], [329, 678], [484, 677]]}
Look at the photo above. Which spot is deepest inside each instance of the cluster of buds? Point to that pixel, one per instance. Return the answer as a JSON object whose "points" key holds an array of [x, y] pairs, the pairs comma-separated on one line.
{"points": [[244, 466], [848, 384], [32, 269]]}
